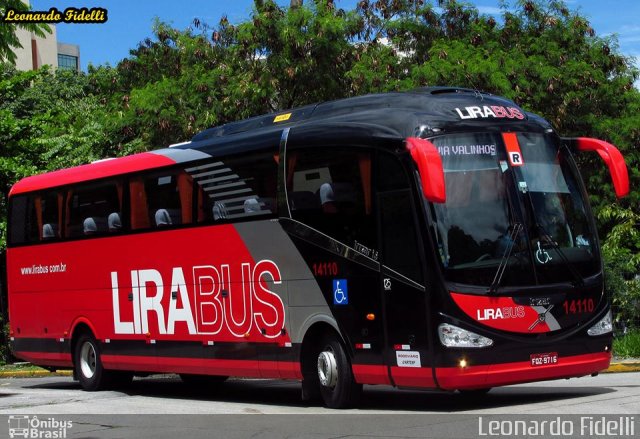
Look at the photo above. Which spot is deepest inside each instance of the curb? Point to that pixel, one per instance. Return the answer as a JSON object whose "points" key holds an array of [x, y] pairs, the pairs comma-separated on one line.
{"points": [[34, 373], [623, 367]]}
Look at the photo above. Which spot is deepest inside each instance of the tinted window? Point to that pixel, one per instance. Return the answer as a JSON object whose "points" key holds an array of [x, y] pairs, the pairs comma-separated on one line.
{"points": [[36, 217], [236, 188], [22, 223], [91, 210], [399, 238], [329, 189], [161, 199], [390, 173]]}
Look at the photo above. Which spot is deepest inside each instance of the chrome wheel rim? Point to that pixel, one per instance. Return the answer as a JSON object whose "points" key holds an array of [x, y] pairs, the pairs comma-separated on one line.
{"points": [[327, 368], [88, 360]]}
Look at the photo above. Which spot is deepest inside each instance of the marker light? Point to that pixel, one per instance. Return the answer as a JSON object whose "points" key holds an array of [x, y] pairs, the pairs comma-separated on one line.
{"points": [[453, 337], [463, 363], [371, 316], [604, 326]]}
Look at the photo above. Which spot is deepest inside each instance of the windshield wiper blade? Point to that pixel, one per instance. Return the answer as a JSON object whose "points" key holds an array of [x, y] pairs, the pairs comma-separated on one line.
{"points": [[546, 237], [578, 279], [493, 289]]}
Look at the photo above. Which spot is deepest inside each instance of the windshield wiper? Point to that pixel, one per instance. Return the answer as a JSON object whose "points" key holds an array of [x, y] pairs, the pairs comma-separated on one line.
{"points": [[493, 289], [515, 227], [547, 238], [556, 247]]}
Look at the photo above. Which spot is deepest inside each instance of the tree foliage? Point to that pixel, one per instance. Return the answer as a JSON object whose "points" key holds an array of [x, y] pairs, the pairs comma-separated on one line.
{"points": [[8, 37], [47, 122], [621, 252]]}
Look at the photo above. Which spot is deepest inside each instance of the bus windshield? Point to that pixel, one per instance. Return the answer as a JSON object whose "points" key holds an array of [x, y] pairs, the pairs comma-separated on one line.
{"points": [[512, 225]]}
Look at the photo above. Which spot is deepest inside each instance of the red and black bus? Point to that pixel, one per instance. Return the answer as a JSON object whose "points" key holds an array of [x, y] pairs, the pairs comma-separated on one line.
{"points": [[437, 239]]}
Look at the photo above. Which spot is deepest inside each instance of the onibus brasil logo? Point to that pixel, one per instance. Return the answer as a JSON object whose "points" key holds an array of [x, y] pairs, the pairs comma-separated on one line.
{"points": [[34, 428]]}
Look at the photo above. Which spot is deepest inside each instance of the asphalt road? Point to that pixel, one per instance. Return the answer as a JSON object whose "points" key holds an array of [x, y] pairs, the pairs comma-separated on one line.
{"points": [[154, 403]]}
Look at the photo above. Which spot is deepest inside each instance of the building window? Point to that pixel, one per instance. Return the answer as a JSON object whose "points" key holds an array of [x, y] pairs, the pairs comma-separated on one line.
{"points": [[67, 62]]}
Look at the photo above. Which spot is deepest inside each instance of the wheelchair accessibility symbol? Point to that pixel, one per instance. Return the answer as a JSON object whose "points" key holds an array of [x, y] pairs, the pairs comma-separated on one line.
{"points": [[542, 256], [340, 292]]}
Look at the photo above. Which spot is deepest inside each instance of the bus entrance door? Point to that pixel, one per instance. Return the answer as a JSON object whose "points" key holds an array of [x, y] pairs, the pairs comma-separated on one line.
{"points": [[403, 294]]}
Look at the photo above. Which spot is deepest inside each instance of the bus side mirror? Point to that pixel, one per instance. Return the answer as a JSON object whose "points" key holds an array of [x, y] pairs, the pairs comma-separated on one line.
{"points": [[429, 163], [611, 156]]}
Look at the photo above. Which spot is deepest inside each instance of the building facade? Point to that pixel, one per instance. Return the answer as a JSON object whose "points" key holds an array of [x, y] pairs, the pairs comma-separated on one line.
{"points": [[39, 51]]}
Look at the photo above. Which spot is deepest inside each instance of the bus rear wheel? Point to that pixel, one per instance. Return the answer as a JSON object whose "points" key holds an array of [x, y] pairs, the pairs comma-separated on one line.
{"points": [[335, 377], [88, 365]]}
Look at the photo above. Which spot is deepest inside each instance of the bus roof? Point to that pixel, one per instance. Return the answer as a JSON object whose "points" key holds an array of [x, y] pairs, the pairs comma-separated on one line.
{"points": [[389, 115], [436, 107]]}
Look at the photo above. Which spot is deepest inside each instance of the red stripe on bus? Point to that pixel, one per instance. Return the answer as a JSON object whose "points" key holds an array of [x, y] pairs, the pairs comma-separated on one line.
{"points": [[239, 368], [413, 376], [92, 171], [370, 374], [513, 149], [47, 358], [513, 317], [491, 375], [290, 370]]}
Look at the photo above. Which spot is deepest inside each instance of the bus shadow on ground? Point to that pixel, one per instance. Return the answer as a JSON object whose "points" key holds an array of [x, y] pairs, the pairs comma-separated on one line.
{"points": [[452, 402], [287, 394]]}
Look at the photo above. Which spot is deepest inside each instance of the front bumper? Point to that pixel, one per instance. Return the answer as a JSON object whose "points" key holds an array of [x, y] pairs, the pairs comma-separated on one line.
{"points": [[492, 375]]}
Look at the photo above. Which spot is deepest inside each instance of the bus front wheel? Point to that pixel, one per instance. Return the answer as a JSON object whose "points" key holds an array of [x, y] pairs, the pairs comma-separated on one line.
{"points": [[337, 385], [88, 365]]}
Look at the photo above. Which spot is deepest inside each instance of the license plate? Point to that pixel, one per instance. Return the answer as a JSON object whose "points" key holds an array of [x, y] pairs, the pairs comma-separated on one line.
{"points": [[544, 359]]}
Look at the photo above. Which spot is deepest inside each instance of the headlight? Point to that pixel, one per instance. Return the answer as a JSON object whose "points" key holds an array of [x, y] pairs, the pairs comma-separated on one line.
{"points": [[604, 326], [454, 337]]}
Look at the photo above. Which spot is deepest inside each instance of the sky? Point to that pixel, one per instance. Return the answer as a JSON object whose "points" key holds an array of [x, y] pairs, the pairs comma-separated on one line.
{"points": [[130, 21]]}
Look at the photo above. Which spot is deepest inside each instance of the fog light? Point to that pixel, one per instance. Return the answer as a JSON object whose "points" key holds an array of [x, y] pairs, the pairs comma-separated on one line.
{"points": [[453, 337], [604, 326]]}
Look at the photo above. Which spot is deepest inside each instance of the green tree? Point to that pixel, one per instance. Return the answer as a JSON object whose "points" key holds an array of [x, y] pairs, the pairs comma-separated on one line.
{"points": [[47, 121], [621, 252], [8, 37]]}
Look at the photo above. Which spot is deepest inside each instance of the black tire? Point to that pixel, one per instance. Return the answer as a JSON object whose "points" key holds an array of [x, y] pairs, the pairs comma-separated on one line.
{"points": [[88, 364], [203, 380], [335, 377]]}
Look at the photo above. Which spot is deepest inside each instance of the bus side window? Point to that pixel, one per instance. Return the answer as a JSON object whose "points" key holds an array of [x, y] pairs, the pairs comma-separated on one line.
{"points": [[89, 209], [161, 199], [23, 222], [399, 246], [236, 188], [19, 221], [329, 189], [48, 214], [138, 202]]}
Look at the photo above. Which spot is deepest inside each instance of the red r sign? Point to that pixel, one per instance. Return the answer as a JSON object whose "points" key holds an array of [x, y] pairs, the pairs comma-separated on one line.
{"points": [[513, 149]]}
